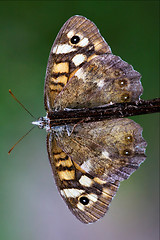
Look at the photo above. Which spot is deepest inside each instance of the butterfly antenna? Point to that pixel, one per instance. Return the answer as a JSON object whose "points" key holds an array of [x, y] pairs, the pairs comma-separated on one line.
{"points": [[21, 104], [20, 140]]}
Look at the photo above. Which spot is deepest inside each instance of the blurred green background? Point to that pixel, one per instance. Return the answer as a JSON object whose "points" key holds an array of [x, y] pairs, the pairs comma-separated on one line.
{"points": [[30, 206]]}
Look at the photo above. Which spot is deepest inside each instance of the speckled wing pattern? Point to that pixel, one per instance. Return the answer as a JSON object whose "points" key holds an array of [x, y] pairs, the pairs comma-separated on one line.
{"points": [[90, 159]]}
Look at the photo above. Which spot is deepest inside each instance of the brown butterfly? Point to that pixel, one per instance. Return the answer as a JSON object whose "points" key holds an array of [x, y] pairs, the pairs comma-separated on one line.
{"points": [[90, 159]]}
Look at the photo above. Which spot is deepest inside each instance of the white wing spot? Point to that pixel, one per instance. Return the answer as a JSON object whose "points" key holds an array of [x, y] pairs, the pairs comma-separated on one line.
{"points": [[105, 154], [70, 34], [63, 48], [78, 59], [81, 206], [100, 84], [86, 166], [83, 43], [71, 192], [93, 197], [85, 181], [81, 74]]}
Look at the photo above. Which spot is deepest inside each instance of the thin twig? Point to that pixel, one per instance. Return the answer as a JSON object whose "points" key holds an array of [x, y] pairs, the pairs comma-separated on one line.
{"points": [[118, 110]]}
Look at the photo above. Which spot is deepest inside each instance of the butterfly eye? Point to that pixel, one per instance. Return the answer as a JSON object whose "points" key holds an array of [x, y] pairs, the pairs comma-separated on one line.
{"points": [[84, 200], [75, 39]]}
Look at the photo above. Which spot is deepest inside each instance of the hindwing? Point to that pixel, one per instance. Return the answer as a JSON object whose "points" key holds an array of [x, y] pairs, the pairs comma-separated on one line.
{"points": [[105, 79]]}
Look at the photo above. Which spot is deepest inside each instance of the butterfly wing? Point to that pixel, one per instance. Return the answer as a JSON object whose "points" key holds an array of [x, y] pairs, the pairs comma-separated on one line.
{"points": [[67, 55], [104, 79], [88, 198], [110, 150]]}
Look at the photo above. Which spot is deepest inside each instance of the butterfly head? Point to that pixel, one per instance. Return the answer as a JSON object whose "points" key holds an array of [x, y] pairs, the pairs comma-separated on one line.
{"points": [[42, 122]]}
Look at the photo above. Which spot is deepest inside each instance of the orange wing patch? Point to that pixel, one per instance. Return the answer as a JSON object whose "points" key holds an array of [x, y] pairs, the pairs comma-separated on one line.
{"points": [[62, 67]]}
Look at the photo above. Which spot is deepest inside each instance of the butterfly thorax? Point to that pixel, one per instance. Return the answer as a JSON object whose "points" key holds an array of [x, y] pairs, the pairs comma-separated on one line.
{"points": [[46, 123]]}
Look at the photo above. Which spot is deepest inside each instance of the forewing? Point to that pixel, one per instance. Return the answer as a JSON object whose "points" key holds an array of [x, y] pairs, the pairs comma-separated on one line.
{"points": [[87, 197], [110, 150], [103, 80], [66, 57]]}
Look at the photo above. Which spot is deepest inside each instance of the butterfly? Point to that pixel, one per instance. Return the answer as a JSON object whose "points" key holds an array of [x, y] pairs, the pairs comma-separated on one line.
{"points": [[89, 160]]}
